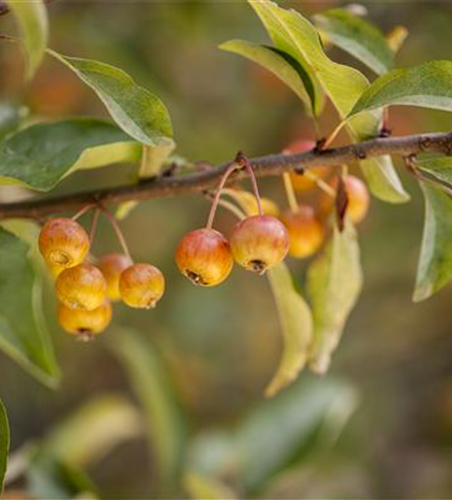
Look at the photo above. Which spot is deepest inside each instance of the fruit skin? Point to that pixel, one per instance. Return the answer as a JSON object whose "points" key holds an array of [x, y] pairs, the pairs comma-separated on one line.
{"points": [[112, 265], [63, 242], [358, 199], [306, 233], [259, 242], [85, 324], [141, 286], [305, 182], [81, 287], [204, 257]]}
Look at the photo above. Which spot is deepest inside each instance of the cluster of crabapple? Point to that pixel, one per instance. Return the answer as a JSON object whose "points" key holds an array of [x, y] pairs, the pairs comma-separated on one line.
{"points": [[84, 287], [264, 238], [307, 223]]}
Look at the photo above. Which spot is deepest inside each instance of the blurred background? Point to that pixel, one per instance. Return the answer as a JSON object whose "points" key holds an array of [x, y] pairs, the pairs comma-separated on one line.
{"points": [[221, 346]]}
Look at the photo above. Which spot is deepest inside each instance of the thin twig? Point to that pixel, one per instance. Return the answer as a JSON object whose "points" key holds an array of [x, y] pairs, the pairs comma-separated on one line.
{"points": [[199, 182]]}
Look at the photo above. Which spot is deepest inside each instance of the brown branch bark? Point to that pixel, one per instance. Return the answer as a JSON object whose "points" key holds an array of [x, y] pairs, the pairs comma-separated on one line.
{"points": [[198, 182]]}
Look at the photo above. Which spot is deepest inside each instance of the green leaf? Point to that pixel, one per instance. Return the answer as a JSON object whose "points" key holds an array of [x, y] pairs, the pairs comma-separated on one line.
{"points": [[297, 325], [136, 110], [164, 421], [154, 158], [296, 36], [290, 428], [4, 444], [435, 261], [427, 85], [285, 67], [202, 487], [10, 117], [41, 155], [356, 36], [34, 27], [438, 169], [334, 283], [23, 333]]}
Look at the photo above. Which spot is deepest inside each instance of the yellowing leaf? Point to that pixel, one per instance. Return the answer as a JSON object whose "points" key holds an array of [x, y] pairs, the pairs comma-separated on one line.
{"points": [[334, 283], [32, 18], [296, 323]]}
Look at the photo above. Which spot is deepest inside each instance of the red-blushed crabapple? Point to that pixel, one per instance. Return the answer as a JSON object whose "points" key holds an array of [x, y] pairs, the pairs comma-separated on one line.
{"points": [[141, 286], [112, 265], [358, 199], [63, 242], [85, 324], [204, 256], [306, 232], [306, 181], [81, 287], [259, 242]]}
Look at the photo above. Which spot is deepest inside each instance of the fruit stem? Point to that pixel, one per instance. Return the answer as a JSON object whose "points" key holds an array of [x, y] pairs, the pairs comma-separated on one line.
{"points": [[333, 134], [325, 187], [233, 209], [231, 168], [94, 222], [243, 161], [81, 212], [118, 232], [290, 193]]}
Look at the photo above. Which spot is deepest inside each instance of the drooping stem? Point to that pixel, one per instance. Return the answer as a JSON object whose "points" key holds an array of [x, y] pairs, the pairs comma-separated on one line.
{"points": [[81, 212], [290, 193], [213, 209], [333, 134], [118, 232], [94, 222]]}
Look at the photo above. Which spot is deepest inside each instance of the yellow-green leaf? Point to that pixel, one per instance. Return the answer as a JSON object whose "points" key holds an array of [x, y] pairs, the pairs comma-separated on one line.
{"points": [[296, 323], [90, 433], [437, 169], [154, 158], [334, 284], [4, 444], [33, 22]]}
